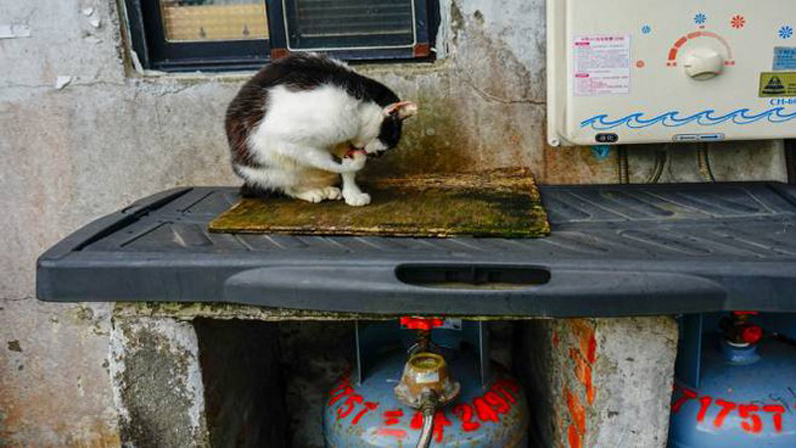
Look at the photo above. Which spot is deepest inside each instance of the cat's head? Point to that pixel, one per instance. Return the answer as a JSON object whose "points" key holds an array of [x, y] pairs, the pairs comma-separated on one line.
{"points": [[391, 125]]}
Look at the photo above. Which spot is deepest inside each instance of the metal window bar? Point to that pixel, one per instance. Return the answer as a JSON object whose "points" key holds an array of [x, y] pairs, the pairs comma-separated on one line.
{"points": [[215, 35], [350, 24]]}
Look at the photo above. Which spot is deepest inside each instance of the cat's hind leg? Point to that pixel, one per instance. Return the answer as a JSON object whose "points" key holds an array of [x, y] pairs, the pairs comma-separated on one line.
{"points": [[332, 193], [315, 185], [264, 182], [315, 195]]}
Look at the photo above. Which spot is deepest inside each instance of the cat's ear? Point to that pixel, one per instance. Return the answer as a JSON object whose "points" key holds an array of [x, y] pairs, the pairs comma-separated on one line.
{"points": [[403, 109]]}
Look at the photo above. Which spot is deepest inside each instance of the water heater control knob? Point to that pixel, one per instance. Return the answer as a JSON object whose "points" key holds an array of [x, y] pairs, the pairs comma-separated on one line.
{"points": [[703, 63]]}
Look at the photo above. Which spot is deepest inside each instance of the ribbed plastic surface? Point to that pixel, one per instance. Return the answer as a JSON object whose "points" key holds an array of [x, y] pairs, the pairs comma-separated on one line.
{"points": [[614, 250]]}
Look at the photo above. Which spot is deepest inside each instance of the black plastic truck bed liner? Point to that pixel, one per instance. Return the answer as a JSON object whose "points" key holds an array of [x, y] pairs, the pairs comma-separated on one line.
{"points": [[614, 251]]}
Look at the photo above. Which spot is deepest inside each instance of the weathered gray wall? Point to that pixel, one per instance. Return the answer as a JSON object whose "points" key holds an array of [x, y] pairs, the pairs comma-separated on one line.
{"points": [[71, 154]]}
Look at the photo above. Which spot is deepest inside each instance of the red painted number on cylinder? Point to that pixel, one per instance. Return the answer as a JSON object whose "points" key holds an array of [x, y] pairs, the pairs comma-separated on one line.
{"points": [[497, 402], [342, 390], [349, 404], [369, 406], [688, 394], [484, 411], [440, 422], [417, 421], [704, 409], [393, 417], [726, 408], [500, 388], [747, 411], [390, 432], [777, 410], [465, 414]]}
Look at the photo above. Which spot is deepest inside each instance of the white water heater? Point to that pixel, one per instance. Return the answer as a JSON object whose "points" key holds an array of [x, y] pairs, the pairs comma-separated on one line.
{"points": [[635, 71]]}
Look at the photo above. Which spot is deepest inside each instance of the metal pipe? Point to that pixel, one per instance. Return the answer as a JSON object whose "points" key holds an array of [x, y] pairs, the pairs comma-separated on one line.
{"points": [[703, 157], [428, 426], [790, 160], [623, 167], [661, 158]]}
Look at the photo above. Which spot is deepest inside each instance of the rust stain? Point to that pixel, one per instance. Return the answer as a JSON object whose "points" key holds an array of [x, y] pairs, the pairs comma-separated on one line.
{"points": [[555, 338]]}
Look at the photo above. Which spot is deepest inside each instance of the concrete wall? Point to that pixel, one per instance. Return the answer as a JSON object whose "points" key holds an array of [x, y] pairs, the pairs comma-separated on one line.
{"points": [[598, 382], [81, 136]]}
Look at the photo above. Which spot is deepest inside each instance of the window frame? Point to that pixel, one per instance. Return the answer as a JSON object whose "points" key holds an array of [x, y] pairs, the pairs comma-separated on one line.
{"points": [[155, 52], [145, 24], [426, 17]]}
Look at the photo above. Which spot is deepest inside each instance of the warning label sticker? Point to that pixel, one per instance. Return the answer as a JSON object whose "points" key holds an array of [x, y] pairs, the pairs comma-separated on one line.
{"points": [[777, 84], [784, 58], [602, 65]]}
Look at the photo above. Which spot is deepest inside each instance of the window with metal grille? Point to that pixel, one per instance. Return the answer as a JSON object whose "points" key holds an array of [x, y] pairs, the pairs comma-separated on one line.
{"points": [[188, 35]]}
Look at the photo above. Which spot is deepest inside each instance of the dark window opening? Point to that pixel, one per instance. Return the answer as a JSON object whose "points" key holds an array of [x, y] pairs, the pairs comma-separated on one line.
{"points": [[213, 35]]}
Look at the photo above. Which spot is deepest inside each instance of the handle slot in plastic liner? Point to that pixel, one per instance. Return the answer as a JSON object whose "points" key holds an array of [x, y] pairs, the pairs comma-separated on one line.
{"points": [[472, 276]]}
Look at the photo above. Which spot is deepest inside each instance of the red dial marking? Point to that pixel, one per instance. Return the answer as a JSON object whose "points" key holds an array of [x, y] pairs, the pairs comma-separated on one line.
{"points": [[697, 34]]}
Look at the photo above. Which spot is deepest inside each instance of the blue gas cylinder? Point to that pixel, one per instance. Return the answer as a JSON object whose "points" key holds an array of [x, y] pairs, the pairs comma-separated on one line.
{"points": [[746, 397], [368, 414]]}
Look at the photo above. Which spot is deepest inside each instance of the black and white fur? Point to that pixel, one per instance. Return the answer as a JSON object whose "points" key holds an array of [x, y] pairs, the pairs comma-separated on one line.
{"points": [[305, 121]]}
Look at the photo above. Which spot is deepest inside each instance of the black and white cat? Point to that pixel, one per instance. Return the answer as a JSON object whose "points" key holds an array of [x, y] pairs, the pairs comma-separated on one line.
{"points": [[305, 121]]}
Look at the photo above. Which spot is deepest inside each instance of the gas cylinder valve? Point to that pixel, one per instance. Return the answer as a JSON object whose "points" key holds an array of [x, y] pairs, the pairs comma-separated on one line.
{"points": [[740, 331], [426, 383], [426, 377]]}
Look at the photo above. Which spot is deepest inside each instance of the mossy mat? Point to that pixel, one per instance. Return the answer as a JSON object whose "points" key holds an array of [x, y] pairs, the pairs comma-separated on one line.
{"points": [[497, 203]]}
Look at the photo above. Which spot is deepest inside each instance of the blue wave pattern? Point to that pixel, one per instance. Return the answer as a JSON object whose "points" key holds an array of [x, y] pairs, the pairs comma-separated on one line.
{"points": [[673, 119]]}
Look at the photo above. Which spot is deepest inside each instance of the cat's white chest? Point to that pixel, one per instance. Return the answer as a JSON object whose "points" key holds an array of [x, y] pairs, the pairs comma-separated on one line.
{"points": [[320, 118]]}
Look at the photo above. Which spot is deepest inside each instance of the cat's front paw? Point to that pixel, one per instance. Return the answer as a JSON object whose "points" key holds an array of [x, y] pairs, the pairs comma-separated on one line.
{"points": [[314, 196], [354, 163], [357, 199], [332, 193]]}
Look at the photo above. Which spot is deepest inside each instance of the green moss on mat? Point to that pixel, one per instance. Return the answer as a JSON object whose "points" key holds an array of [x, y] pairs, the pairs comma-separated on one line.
{"points": [[497, 203]]}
